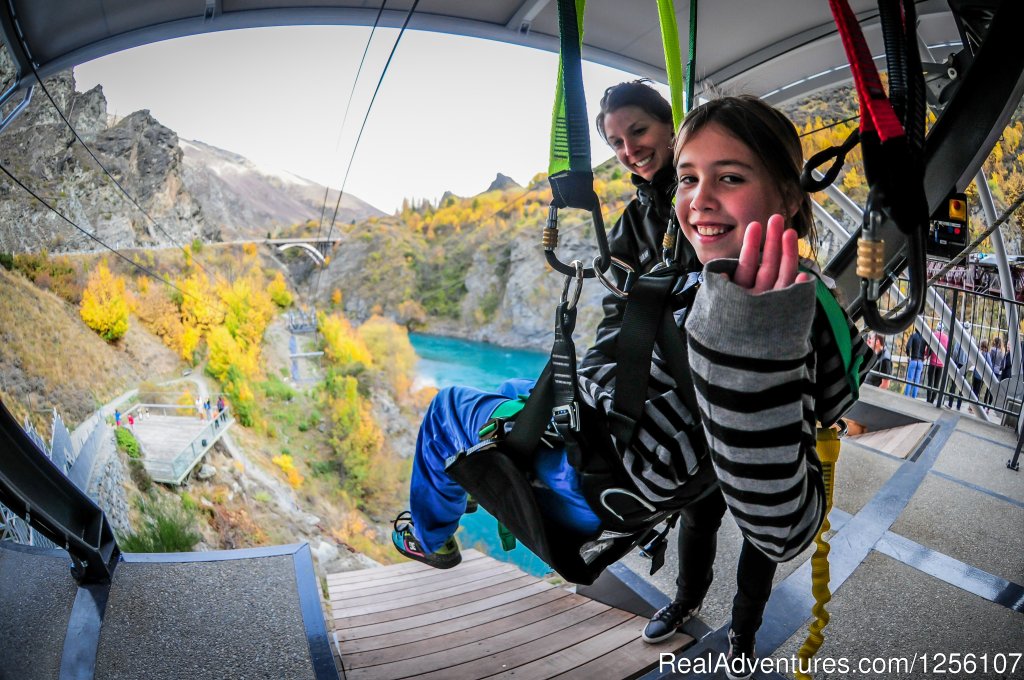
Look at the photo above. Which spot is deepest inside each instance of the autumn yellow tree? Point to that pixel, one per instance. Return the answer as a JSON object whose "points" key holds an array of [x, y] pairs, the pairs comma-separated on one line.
{"points": [[247, 310], [391, 351], [343, 348], [279, 293], [104, 305]]}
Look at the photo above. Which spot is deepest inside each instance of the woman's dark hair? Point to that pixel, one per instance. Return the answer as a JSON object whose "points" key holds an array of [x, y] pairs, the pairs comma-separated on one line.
{"points": [[773, 139], [634, 93]]}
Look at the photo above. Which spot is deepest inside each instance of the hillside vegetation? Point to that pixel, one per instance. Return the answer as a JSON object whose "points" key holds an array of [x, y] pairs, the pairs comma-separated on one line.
{"points": [[325, 440]]}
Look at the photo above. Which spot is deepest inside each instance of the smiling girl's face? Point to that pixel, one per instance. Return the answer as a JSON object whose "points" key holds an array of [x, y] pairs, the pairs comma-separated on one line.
{"points": [[723, 187]]}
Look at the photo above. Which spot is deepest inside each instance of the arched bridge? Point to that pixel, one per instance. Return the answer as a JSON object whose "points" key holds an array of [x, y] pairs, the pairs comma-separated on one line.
{"points": [[317, 248]]}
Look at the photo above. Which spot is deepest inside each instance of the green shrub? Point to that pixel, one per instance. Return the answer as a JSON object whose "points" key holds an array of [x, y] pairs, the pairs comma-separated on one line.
{"points": [[143, 482], [166, 526], [322, 468], [277, 390], [127, 442], [7, 261]]}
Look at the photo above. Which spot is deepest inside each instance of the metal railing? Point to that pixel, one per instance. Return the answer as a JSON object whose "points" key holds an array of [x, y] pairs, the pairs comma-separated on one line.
{"points": [[41, 494], [957, 370], [73, 460]]}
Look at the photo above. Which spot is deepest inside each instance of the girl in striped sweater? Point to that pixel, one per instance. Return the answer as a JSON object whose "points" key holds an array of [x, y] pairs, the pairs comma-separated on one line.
{"points": [[762, 354]]}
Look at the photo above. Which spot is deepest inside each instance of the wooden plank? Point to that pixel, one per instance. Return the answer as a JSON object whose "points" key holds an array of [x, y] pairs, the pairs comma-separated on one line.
{"points": [[476, 651], [434, 628], [434, 581], [428, 597], [898, 441], [631, 660], [400, 581], [393, 621], [389, 570], [528, 653], [506, 627], [593, 646]]}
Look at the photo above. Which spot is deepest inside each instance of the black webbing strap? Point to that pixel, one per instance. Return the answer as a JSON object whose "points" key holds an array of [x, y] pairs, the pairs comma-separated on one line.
{"points": [[522, 441], [676, 355], [635, 347], [565, 410], [571, 175], [576, 141]]}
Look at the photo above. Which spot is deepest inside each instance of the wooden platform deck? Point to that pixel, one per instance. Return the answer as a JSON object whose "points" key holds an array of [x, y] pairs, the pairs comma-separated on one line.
{"points": [[897, 441], [482, 619]]}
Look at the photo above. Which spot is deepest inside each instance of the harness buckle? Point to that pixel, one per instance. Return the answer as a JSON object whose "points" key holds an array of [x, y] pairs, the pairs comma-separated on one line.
{"points": [[567, 414], [494, 428]]}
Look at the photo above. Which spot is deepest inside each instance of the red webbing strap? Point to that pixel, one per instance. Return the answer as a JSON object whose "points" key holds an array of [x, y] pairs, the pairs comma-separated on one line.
{"points": [[876, 110]]}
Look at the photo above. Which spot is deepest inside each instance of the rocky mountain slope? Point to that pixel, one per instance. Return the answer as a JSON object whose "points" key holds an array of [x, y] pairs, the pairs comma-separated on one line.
{"points": [[245, 200], [142, 155], [184, 190]]}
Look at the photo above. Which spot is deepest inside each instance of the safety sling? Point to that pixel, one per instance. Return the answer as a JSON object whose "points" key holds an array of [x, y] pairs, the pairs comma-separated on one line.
{"points": [[497, 473]]}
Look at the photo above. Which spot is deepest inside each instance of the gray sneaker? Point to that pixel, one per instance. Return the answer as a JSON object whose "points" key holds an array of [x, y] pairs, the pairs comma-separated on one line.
{"points": [[669, 619]]}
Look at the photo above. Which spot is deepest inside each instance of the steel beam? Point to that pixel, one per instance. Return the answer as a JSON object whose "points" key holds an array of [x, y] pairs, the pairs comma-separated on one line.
{"points": [[41, 494]]}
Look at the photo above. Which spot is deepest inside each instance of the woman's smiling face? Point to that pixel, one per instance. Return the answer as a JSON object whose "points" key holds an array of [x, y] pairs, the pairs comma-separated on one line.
{"points": [[641, 142], [723, 187]]}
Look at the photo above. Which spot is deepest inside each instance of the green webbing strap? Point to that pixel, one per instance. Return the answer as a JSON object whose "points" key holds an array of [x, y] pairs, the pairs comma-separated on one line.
{"points": [[841, 333], [691, 61], [673, 59], [570, 138]]}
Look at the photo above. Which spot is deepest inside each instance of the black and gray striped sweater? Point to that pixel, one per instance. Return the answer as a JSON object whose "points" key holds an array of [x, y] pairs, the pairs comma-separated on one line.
{"points": [[766, 368]]}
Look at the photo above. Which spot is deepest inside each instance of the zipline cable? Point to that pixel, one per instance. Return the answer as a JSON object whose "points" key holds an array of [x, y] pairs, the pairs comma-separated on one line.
{"points": [[355, 147], [344, 119], [830, 125], [95, 238]]}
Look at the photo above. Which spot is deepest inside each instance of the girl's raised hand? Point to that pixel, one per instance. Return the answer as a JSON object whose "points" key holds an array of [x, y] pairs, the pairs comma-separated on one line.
{"points": [[776, 267]]}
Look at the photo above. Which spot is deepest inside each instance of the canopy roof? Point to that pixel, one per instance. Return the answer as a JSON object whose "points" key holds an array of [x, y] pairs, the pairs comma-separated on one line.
{"points": [[778, 49]]}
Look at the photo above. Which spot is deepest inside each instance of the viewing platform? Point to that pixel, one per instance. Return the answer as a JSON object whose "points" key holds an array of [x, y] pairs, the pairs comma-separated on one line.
{"points": [[174, 440]]}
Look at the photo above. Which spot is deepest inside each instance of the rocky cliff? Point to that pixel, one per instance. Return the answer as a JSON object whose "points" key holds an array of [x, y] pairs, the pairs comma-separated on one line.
{"points": [[142, 156], [184, 190]]}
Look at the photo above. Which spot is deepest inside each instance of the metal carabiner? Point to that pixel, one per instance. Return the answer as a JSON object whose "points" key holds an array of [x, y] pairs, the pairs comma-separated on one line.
{"points": [[607, 283], [577, 266]]}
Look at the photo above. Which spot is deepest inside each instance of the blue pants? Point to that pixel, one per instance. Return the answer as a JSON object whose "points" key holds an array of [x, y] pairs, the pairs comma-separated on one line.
{"points": [[914, 370], [450, 425]]}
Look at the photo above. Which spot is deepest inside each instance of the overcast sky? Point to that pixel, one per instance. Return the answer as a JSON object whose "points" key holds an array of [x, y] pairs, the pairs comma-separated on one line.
{"points": [[451, 113]]}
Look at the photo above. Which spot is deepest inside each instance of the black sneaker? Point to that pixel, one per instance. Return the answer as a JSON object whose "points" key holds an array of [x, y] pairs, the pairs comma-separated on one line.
{"points": [[741, 662], [405, 542], [667, 620]]}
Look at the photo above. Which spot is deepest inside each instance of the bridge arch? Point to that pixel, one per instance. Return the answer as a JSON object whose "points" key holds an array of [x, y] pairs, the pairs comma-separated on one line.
{"points": [[317, 256]]}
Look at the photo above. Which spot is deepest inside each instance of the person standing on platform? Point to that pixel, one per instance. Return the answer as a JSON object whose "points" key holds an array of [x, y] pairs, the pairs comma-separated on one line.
{"points": [[914, 348]]}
